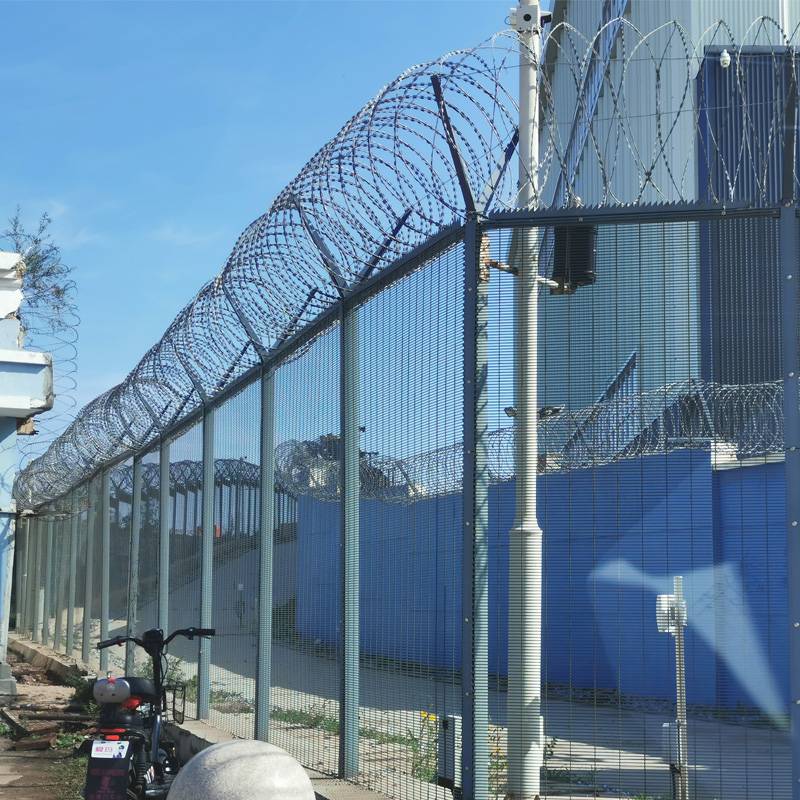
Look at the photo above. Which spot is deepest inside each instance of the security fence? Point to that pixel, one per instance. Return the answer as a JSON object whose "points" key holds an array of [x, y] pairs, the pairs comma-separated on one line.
{"points": [[320, 459]]}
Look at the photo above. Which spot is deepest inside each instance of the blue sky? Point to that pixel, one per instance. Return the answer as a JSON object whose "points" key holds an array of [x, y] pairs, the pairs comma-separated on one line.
{"points": [[152, 133]]}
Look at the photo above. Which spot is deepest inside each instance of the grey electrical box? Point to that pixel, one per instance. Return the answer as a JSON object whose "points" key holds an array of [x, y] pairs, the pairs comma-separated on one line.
{"points": [[449, 749]]}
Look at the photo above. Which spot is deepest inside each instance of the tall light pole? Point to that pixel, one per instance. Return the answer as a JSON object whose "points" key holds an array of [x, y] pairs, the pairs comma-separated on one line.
{"points": [[525, 722]]}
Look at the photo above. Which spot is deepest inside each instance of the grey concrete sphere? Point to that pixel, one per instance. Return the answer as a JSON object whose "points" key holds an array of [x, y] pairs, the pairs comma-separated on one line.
{"points": [[242, 770]]}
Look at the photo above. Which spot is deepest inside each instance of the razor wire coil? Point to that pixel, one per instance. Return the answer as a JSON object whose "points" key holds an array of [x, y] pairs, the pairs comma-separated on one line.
{"points": [[387, 182]]}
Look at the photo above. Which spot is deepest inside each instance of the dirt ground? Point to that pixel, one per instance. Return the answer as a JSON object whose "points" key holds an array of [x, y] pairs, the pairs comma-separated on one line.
{"points": [[31, 775]]}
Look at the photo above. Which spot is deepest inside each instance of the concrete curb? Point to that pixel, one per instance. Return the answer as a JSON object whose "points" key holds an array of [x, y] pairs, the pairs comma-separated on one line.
{"points": [[53, 664]]}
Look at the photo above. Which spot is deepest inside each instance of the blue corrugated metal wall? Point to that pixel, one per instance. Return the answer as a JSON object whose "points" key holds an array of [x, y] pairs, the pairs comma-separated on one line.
{"points": [[614, 539], [750, 540]]}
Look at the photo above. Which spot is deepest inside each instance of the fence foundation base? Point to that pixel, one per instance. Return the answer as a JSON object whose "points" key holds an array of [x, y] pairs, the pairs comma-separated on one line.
{"points": [[7, 683]]}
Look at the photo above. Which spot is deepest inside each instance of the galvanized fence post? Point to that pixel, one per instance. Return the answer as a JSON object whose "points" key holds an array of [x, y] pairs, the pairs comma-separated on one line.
{"points": [[59, 582], [73, 577], [163, 536], [475, 561], [790, 280], [30, 614], [89, 586], [22, 572], [36, 587], [206, 565], [105, 561], [22, 626], [266, 532], [349, 471], [39, 582], [133, 570], [29, 576], [48, 582]]}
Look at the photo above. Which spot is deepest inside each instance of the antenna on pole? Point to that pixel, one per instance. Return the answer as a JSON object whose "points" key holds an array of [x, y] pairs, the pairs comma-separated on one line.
{"points": [[671, 617]]}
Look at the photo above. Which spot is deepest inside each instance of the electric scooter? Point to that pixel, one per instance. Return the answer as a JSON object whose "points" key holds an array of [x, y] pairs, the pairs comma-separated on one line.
{"points": [[128, 760]]}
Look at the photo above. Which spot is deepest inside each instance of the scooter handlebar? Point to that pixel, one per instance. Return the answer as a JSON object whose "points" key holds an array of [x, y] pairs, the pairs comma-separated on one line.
{"points": [[111, 642], [190, 633]]}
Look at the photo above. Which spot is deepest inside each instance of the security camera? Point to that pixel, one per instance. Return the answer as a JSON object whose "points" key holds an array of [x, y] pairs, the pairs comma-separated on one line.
{"points": [[724, 59]]}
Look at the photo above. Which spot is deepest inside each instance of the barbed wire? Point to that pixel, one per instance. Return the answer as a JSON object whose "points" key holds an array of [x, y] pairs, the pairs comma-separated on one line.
{"points": [[736, 423], [387, 182]]}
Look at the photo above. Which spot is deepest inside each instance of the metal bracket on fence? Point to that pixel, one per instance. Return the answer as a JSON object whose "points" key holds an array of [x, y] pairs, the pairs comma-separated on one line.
{"points": [[452, 144], [328, 261], [384, 246], [493, 183]]}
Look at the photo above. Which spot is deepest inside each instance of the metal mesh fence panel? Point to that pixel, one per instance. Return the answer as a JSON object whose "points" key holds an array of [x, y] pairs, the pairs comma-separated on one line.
{"points": [[95, 523], [306, 620], [80, 576], [50, 574], [62, 568], [148, 560], [649, 472], [410, 401], [21, 550], [119, 508], [234, 604], [33, 529], [662, 487], [185, 543], [41, 581]]}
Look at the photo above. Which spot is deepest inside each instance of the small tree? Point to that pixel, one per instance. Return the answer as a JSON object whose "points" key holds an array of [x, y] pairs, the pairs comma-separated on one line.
{"points": [[48, 289]]}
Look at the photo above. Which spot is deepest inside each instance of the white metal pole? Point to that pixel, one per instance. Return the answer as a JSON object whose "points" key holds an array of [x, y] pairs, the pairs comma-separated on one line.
{"points": [[525, 723]]}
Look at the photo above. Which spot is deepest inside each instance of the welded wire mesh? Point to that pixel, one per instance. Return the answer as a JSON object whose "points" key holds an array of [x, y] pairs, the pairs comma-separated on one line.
{"points": [[234, 588], [185, 545], [146, 598], [40, 556], [119, 510], [34, 578], [21, 544], [42, 613], [621, 520], [410, 401], [95, 564], [61, 578], [80, 576], [49, 577], [307, 611]]}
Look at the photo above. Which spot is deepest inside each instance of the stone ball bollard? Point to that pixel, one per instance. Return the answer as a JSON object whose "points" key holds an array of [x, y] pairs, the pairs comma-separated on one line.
{"points": [[242, 770]]}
